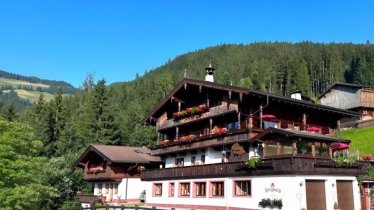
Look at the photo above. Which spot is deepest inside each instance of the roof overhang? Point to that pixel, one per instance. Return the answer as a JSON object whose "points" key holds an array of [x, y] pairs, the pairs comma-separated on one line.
{"points": [[149, 119], [297, 134]]}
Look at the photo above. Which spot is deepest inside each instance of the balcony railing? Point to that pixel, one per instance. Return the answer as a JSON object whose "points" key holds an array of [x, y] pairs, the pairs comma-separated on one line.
{"points": [[202, 142], [274, 166], [106, 175], [292, 125], [213, 111]]}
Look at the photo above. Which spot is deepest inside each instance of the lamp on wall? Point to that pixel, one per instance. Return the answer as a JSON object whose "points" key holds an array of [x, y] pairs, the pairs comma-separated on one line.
{"points": [[301, 183]]}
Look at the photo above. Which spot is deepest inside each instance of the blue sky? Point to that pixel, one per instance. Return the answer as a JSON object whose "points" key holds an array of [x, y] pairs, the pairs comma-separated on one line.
{"points": [[66, 40]]}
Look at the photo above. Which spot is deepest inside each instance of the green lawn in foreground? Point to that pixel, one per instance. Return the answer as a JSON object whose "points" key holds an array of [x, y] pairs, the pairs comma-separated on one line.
{"points": [[362, 139]]}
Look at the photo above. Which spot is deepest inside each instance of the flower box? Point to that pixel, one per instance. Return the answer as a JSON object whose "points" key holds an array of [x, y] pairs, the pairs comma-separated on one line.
{"points": [[219, 131], [191, 111]]}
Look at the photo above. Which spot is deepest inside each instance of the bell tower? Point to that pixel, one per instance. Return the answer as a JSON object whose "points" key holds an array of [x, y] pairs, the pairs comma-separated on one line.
{"points": [[209, 72]]}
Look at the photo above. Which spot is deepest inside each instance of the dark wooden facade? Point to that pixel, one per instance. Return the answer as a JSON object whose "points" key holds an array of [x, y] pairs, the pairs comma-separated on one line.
{"points": [[234, 109]]}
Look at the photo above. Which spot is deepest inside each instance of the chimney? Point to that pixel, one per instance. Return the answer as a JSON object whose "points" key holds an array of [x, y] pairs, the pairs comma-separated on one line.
{"points": [[209, 73], [296, 95]]}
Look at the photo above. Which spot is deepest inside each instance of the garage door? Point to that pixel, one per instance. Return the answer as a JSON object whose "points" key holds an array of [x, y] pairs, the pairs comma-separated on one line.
{"points": [[315, 194], [345, 195]]}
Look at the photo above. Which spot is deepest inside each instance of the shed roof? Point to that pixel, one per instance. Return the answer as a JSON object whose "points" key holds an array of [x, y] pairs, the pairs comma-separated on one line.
{"points": [[119, 154]]}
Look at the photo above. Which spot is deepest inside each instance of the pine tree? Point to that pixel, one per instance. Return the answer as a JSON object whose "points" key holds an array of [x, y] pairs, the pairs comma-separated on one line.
{"points": [[11, 112], [104, 129]]}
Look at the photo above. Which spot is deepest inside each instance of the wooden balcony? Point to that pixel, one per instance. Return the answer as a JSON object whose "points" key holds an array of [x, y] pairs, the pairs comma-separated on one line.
{"points": [[106, 175], [213, 112], [113, 172], [203, 142], [274, 166], [292, 125]]}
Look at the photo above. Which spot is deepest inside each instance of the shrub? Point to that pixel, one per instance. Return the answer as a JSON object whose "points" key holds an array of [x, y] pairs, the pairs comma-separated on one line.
{"points": [[251, 163], [271, 203]]}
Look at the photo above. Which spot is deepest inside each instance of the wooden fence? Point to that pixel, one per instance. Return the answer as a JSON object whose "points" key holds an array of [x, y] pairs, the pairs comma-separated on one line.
{"points": [[122, 207]]}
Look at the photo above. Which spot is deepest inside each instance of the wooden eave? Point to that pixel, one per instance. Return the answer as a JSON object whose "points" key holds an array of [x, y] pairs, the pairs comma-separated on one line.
{"points": [[300, 134]]}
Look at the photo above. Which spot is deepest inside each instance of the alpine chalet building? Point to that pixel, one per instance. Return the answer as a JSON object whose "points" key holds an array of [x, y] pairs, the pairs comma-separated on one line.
{"points": [[226, 147]]}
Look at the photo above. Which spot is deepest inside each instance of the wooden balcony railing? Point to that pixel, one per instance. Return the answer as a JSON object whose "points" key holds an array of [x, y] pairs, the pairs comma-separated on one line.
{"points": [[106, 175], [274, 166], [292, 125], [203, 142], [213, 111]]}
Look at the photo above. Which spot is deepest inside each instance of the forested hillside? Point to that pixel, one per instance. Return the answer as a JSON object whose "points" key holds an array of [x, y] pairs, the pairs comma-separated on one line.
{"points": [[111, 114]]}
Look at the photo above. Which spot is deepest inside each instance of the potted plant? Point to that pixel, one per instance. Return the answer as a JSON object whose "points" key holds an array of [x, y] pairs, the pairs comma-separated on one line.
{"points": [[103, 199], [237, 150], [336, 206], [251, 163]]}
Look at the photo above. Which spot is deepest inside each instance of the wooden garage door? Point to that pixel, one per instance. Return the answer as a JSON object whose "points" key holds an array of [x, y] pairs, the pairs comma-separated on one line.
{"points": [[345, 195], [315, 194]]}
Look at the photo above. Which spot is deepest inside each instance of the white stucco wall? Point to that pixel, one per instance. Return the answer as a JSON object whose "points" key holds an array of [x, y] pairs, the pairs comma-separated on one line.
{"points": [[291, 189], [134, 187], [211, 156]]}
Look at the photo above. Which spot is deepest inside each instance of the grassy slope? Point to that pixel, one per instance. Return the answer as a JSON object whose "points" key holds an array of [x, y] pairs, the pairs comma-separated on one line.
{"points": [[32, 96], [362, 139], [16, 83]]}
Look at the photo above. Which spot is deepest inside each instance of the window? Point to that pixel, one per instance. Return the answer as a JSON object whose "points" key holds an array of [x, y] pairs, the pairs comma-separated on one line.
{"points": [[321, 148], [184, 189], [99, 188], [304, 147], [271, 148], [157, 189], [171, 189], [217, 189], [233, 126], [179, 162], [285, 148], [115, 188], [242, 188], [202, 159], [270, 124], [193, 160], [200, 189], [105, 189]]}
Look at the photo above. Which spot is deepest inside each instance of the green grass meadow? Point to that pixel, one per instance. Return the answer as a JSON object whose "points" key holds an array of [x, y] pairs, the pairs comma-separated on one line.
{"points": [[362, 139]]}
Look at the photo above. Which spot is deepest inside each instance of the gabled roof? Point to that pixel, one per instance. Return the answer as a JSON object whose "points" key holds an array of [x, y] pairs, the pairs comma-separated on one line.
{"points": [[356, 86], [294, 133], [119, 154], [244, 91]]}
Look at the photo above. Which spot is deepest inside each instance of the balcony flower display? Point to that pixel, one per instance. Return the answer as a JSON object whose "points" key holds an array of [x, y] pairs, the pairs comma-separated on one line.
{"points": [[219, 131], [164, 143], [95, 170], [191, 111], [187, 138], [367, 158]]}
